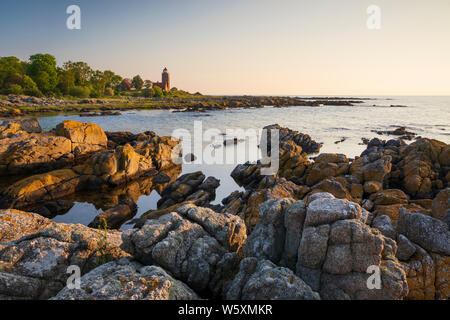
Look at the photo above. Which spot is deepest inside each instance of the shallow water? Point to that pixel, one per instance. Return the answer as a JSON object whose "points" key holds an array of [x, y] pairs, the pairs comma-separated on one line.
{"points": [[427, 116]]}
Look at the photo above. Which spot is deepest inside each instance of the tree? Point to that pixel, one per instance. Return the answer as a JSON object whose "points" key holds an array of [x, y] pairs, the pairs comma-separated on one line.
{"points": [[29, 87], [79, 92], [148, 92], [98, 82], [12, 71], [111, 79], [109, 92], [158, 92], [148, 84], [81, 71], [66, 80], [137, 82], [14, 89], [42, 70]]}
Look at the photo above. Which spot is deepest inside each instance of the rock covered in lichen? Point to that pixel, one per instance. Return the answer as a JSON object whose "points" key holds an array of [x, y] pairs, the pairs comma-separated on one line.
{"points": [[127, 280]]}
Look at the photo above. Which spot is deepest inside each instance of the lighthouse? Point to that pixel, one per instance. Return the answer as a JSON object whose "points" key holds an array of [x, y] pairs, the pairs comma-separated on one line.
{"points": [[166, 80]]}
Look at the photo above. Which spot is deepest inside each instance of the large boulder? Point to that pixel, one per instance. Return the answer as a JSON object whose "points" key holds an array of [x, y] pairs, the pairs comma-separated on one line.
{"points": [[85, 137], [127, 280], [302, 140], [420, 167], [9, 128], [247, 204], [441, 205], [34, 265], [189, 187], [428, 232], [34, 153], [329, 246], [42, 187], [196, 245], [25, 149], [106, 168], [327, 165], [263, 280]]}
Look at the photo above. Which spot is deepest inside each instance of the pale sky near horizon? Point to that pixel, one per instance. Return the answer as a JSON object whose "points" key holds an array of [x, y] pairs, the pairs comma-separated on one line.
{"points": [[276, 47]]}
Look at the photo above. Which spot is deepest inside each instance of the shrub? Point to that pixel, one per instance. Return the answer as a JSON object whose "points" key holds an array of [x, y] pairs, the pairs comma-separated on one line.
{"points": [[148, 93], [79, 92], [158, 92], [95, 94], [14, 89], [109, 92], [33, 92]]}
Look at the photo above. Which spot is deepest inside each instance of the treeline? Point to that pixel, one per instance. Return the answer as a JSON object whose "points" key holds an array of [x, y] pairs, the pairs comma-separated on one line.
{"points": [[40, 76]]}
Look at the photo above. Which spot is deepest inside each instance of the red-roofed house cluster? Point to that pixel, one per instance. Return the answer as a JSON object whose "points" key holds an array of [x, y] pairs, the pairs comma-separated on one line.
{"points": [[126, 84]]}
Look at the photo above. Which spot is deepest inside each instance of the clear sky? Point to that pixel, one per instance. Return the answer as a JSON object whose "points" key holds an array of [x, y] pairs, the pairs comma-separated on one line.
{"points": [[304, 47]]}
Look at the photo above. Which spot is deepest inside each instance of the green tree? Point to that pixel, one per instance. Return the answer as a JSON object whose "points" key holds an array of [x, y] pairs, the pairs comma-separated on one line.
{"points": [[80, 92], [14, 89], [98, 82], [148, 84], [158, 92], [29, 87], [12, 71], [109, 92], [81, 70], [112, 80], [42, 70], [66, 80], [148, 92], [137, 82]]}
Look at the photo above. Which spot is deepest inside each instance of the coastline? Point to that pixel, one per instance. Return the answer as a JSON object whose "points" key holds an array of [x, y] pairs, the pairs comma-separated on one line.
{"points": [[327, 216]]}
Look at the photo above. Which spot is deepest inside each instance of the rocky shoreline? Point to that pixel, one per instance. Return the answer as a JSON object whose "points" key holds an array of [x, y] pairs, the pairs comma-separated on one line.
{"points": [[16, 106], [312, 231]]}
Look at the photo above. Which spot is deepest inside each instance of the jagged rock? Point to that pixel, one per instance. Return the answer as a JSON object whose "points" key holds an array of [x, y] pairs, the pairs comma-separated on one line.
{"points": [[10, 128], [333, 186], [24, 149], [42, 187], [189, 187], [372, 167], [268, 238], [39, 260], [285, 134], [335, 248], [327, 165], [104, 169], [263, 280], [372, 186], [420, 166], [196, 245], [34, 153], [85, 137], [15, 224], [383, 223], [393, 211], [247, 205], [441, 205], [390, 196], [113, 218], [430, 233], [128, 280], [405, 248]]}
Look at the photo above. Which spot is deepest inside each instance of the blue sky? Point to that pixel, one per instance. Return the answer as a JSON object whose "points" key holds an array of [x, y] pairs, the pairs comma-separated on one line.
{"points": [[246, 46]]}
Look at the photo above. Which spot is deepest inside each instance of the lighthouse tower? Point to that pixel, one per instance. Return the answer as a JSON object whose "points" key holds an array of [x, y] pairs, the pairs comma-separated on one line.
{"points": [[166, 80]]}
